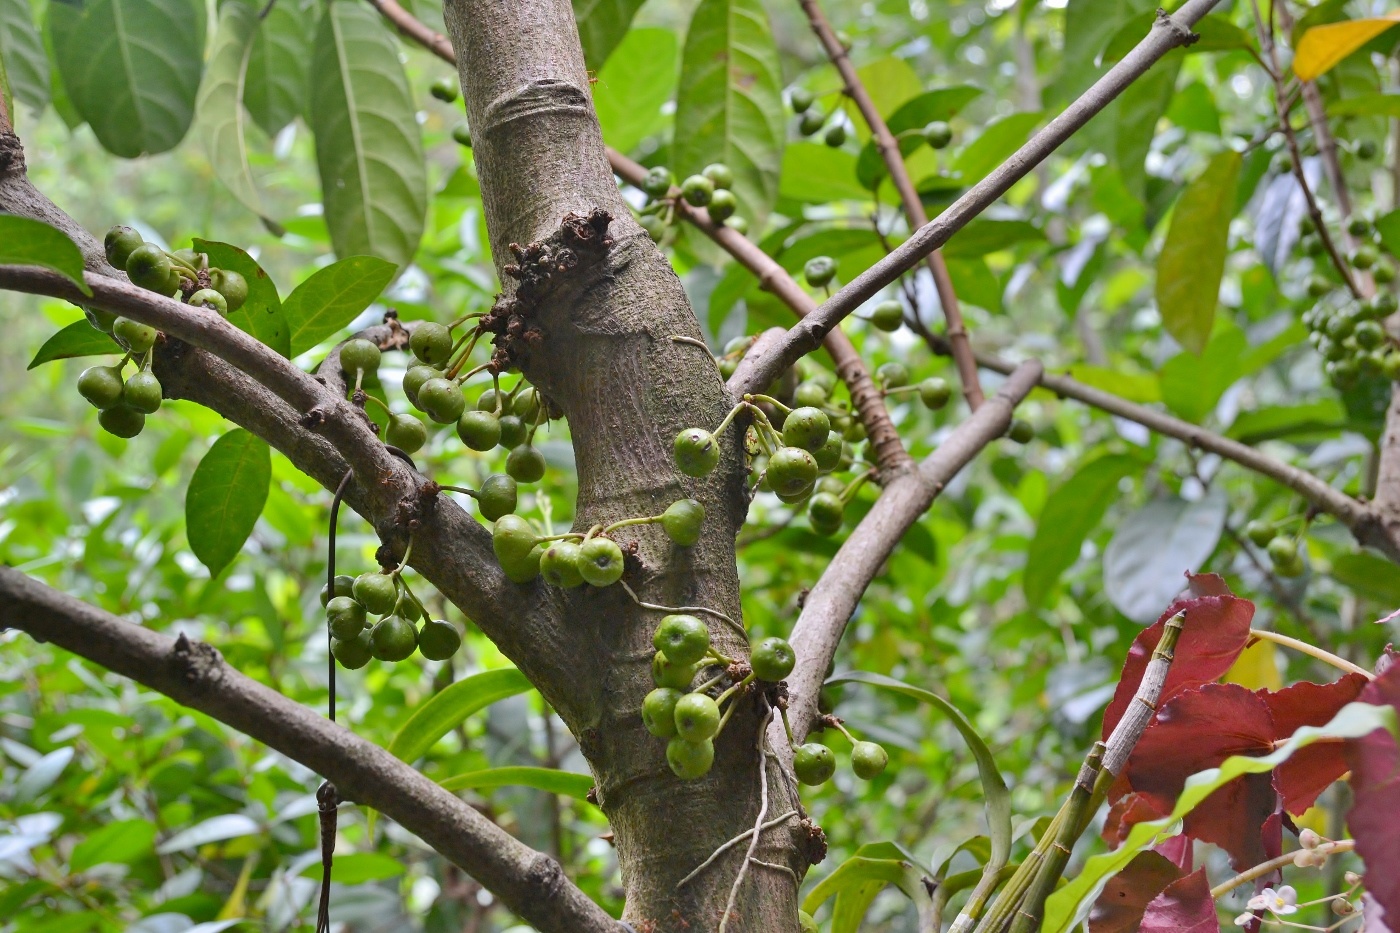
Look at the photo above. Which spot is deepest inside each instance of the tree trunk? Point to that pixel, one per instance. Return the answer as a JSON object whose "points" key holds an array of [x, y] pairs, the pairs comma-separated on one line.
{"points": [[602, 353]]}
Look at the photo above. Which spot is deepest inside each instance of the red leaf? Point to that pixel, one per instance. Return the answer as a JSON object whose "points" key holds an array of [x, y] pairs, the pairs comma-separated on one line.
{"points": [[1375, 813], [1184, 907], [1119, 908], [1127, 811], [1310, 770], [1177, 849], [1214, 632], [1207, 584], [1233, 818]]}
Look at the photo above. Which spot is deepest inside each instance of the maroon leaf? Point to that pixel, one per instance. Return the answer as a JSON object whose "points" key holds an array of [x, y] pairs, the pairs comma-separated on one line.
{"points": [[1310, 770], [1207, 584], [1233, 818], [1214, 632], [1177, 849], [1127, 811], [1120, 907], [1184, 907], [1375, 813]]}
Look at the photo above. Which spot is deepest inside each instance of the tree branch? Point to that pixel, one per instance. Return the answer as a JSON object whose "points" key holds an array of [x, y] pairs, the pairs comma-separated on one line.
{"points": [[888, 148], [1169, 32], [194, 674], [832, 601]]}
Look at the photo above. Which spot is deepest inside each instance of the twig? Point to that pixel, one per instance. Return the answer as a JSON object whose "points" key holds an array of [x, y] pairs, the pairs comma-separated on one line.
{"points": [[1313, 651], [731, 844], [757, 823], [704, 610], [1272, 865]]}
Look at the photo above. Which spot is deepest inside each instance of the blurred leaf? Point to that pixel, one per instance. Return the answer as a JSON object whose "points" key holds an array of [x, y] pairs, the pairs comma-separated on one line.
{"points": [[1368, 576], [602, 24], [332, 298], [983, 236], [1073, 510], [999, 140], [121, 842], [1388, 227], [1322, 47], [40, 777], [550, 780], [277, 74], [1192, 384], [857, 881], [214, 829], [226, 496], [634, 85], [131, 68], [1151, 549], [358, 868], [22, 57], [942, 103], [815, 173], [1275, 421], [220, 105], [446, 710], [261, 315], [1143, 388], [1192, 260], [25, 242], [1135, 115], [77, 339], [1365, 105]]}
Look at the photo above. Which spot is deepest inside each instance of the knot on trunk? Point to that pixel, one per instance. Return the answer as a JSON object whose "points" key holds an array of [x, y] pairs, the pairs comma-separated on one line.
{"points": [[197, 663]]}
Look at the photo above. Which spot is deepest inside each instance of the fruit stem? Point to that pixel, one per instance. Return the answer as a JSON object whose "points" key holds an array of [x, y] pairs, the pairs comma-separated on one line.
{"points": [[469, 338], [387, 410], [725, 695], [728, 418], [787, 727], [407, 553], [462, 489], [844, 731], [177, 261], [359, 378], [855, 485], [464, 319], [710, 683], [629, 522], [703, 610], [563, 536], [719, 657], [595, 530], [770, 400], [469, 373], [898, 390]]}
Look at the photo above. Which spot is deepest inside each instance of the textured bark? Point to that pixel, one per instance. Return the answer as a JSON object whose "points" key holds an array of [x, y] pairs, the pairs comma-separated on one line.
{"points": [[605, 358]]}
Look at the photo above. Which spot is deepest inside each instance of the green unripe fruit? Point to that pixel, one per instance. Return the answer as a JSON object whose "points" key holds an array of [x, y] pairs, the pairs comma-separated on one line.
{"points": [[1390, 369], [121, 421], [119, 243], [831, 484], [812, 120], [683, 638], [697, 717], [1364, 256], [375, 591], [805, 923], [1383, 304], [1359, 226], [431, 343], [737, 224], [723, 204], [654, 225], [479, 430], [345, 617], [826, 513], [102, 320], [560, 565], [188, 258], [149, 267], [491, 401], [512, 539], [682, 520], [809, 394], [394, 638], [1366, 150], [792, 472], [344, 584], [524, 569], [1282, 549], [1318, 286], [1383, 273], [415, 377], [496, 497], [659, 712], [409, 610], [232, 285], [667, 673], [1020, 431], [406, 433], [819, 270], [813, 763], [697, 190], [1340, 325], [868, 760], [525, 464], [772, 659], [1291, 568], [800, 99], [442, 400], [934, 393], [835, 136], [720, 175], [600, 561], [527, 405], [136, 337], [658, 181], [690, 760], [101, 385], [513, 432], [439, 640], [1259, 532], [888, 316], [142, 392], [1369, 335], [354, 653], [828, 455], [359, 355], [209, 300], [892, 375], [445, 90], [938, 134], [807, 428], [462, 135], [696, 452]]}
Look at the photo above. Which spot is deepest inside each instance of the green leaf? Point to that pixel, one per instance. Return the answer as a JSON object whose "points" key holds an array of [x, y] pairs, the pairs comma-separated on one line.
{"points": [[729, 104], [261, 315], [358, 867], [120, 843], [226, 496], [1070, 905], [131, 68], [39, 778], [602, 24], [214, 829], [1143, 388], [222, 118], [368, 147], [1071, 512], [1365, 105], [25, 242], [1151, 549], [1322, 416], [1192, 260], [1001, 138], [278, 68], [333, 297], [1135, 115], [77, 339], [996, 799], [447, 709], [1388, 227], [22, 57], [983, 236], [1368, 576], [857, 881], [942, 103], [634, 85], [1193, 384], [550, 780], [817, 174]]}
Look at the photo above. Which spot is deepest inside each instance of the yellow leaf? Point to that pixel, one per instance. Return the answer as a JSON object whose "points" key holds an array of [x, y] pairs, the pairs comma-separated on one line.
{"points": [[1256, 667], [236, 907], [1322, 47]]}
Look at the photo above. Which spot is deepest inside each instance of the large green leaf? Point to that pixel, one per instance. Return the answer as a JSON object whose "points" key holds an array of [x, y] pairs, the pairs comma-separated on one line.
{"points": [[985, 235], [25, 242], [333, 297], [447, 709], [729, 102], [226, 496], [1073, 510], [1192, 384], [941, 103], [275, 91], [1070, 905], [120, 842], [222, 118], [22, 55], [77, 339], [1152, 548], [1368, 575], [634, 85], [368, 146], [551, 780], [857, 881], [819, 174], [998, 140], [131, 68], [602, 24], [358, 868], [1135, 115], [1192, 260], [261, 315]]}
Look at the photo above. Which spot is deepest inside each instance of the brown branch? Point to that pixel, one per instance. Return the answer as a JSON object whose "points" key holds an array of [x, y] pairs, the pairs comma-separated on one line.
{"points": [[194, 674], [834, 597], [1168, 33], [888, 147]]}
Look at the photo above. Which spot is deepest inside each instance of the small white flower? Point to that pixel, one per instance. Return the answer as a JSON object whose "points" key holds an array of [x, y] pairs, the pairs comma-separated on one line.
{"points": [[1243, 918], [1281, 902], [1309, 839]]}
